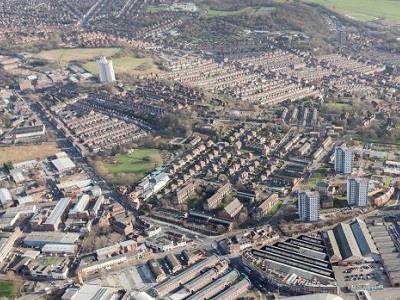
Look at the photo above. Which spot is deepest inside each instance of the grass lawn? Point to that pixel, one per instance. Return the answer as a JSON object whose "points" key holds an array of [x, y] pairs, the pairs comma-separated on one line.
{"points": [[153, 9], [364, 10], [7, 289], [21, 153], [387, 181], [384, 140], [127, 64], [138, 162], [316, 177], [275, 208], [51, 260], [334, 107], [64, 56], [227, 13], [340, 202]]}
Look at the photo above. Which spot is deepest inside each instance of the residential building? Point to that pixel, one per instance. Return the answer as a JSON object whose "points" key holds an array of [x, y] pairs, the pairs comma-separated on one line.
{"points": [[357, 191], [106, 70], [343, 160], [184, 192], [232, 209], [216, 199], [309, 206]]}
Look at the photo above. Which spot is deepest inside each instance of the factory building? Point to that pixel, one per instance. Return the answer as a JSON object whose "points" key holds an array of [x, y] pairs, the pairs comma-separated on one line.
{"points": [[298, 266], [349, 242], [216, 287], [234, 291], [57, 214], [173, 283], [41, 238]]}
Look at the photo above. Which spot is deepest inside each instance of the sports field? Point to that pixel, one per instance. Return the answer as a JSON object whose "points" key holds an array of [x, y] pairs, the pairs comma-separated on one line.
{"points": [[7, 289], [21, 153], [129, 168], [128, 65], [138, 161], [64, 56], [365, 10]]}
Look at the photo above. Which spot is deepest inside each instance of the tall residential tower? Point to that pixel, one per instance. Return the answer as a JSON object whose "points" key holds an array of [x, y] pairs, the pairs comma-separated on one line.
{"points": [[106, 70], [357, 191], [309, 206], [343, 160]]}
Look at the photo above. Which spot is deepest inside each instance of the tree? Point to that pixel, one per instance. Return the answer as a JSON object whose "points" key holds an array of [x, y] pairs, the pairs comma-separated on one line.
{"points": [[8, 165]]}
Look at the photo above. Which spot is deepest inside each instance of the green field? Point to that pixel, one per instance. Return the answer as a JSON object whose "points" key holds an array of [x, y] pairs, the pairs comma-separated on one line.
{"points": [[128, 65], [335, 107], [364, 10], [153, 9], [7, 289], [227, 13], [138, 162], [316, 177], [123, 64], [275, 208], [64, 56]]}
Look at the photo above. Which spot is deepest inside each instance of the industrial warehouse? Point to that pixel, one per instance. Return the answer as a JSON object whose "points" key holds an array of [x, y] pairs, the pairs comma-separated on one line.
{"points": [[298, 265], [209, 278], [350, 242]]}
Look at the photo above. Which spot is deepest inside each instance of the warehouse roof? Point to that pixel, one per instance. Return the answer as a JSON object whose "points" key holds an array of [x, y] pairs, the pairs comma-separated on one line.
{"points": [[48, 237], [63, 164], [5, 196], [347, 243]]}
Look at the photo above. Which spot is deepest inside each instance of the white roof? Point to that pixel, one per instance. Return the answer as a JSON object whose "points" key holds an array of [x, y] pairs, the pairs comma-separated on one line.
{"points": [[141, 296], [17, 175], [81, 204], [63, 164], [25, 199], [88, 292], [58, 211], [57, 248], [5, 195]]}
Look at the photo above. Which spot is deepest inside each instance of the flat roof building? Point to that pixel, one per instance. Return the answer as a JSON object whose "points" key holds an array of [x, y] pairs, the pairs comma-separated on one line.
{"points": [[41, 238], [55, 218], [63, 164], [5, 196], [88, 292]]}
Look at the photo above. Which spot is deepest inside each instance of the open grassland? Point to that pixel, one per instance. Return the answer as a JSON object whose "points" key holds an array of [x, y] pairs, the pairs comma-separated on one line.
{"points": [[275, 208], [364, 10], [127, 64], [8, 289], [334, 107], [227, 13], [129, 168], [139, 161], [123, 63], [64, 56], [21, 153]]}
